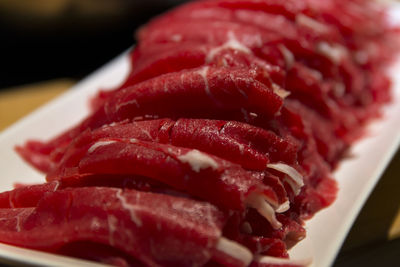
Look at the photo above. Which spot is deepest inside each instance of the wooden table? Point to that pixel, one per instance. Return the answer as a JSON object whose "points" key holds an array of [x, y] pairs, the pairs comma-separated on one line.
{"points": [[19, 101], [373, 237]]}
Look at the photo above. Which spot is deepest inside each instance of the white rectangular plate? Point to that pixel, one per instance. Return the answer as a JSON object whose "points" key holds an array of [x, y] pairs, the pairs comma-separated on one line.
{"points": [[325, 232]]}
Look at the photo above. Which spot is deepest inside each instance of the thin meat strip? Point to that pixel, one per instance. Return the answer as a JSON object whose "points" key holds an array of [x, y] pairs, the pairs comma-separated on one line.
{"points": [[203, 92], [159, 230], [200, 174], [251, 147]]}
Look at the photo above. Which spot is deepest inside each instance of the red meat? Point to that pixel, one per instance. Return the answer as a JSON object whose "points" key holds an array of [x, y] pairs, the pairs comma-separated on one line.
{"points": [[140, 224], [249, 146], [26, 196], [204, 92], [153, 61], [200, 174], [245, 104]]}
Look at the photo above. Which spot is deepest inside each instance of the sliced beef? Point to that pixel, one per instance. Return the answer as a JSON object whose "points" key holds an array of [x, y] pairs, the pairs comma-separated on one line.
{"points": [[219, 144], [140, 224]]}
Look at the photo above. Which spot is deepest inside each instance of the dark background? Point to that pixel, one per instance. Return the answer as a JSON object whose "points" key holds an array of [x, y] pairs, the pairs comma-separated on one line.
{"points": [[48, 39]]}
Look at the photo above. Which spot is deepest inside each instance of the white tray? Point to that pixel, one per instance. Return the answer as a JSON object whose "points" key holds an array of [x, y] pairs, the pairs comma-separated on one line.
{"points": [[325, 232]]}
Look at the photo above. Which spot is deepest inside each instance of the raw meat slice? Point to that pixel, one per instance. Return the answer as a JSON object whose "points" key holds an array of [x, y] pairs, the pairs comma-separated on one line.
{"points": [[26, 196], [191, 91], [204, 92], [208, 177], [140, 224], [153, 61], [304, 42], [251, 39], [251, 147], [305, 84], [218, 33], [315, 97], [314, 169], [301, 39], [159, 59], [258, 101], [291, 231], [231, 12], [329, 145], [199, 11]]}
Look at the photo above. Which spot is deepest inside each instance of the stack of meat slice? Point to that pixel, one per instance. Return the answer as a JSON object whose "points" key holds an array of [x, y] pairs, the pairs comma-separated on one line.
{"points": [[220, 142]]}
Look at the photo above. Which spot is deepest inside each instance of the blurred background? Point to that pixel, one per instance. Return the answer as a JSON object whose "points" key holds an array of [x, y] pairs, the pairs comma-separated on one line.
{"points": [[49, 39], [46, 46]]}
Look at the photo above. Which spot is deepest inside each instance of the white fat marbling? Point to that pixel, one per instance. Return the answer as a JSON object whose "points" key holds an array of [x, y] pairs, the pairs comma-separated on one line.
{"points": [[258, 202], [295, 177], [130, 207], [234, 250], [308, 22], [287, 55], [112, 227], [334, 52], [95, 224], [232, 43], [100, 144], [176, 38], [280, 91], [203, 73], [198, 160], [283, 207]]}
